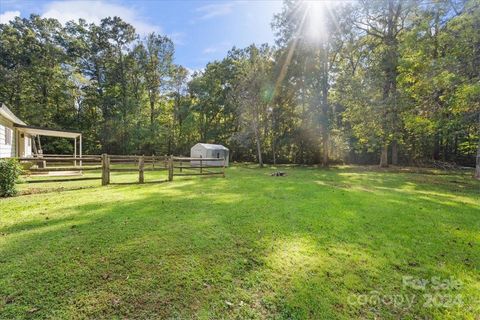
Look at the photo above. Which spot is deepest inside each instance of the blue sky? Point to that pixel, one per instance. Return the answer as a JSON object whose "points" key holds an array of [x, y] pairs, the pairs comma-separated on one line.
{"points": [[202, 30]]}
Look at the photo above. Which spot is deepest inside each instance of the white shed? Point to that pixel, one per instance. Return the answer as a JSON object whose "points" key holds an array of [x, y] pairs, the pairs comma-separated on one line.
{"points": [[207, 150]]}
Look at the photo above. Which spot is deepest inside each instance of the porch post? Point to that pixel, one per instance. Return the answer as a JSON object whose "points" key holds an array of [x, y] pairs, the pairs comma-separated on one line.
{"points": [[16, 152], [80, 150], [75, 151]]}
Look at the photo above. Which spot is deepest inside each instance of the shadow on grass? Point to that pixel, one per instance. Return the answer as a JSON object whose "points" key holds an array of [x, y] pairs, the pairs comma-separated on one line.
{"points": [[289, 248]]}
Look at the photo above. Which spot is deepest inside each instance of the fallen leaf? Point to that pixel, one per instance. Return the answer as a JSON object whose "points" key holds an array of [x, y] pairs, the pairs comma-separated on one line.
{"points": [[32, 310]]}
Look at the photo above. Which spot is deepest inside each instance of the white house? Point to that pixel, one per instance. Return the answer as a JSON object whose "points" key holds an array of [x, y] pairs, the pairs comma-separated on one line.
{"points": [[207, 150], [16, 137]]}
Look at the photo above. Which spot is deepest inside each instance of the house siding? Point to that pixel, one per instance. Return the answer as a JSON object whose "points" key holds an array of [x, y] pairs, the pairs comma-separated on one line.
{"points": [[7, 150], [24, 147], [27, 142]]}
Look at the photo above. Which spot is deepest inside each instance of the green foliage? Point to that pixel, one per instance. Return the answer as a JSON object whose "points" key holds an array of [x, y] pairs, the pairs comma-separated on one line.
{"points": [[10, 169], [439, 87]]}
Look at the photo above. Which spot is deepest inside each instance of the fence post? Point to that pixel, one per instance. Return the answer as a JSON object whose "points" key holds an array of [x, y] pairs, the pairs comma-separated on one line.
{"points": [[201, 164], [108, 169], [181, 163], [223, 168], [141, 163], [105, 169], [170, 168]]}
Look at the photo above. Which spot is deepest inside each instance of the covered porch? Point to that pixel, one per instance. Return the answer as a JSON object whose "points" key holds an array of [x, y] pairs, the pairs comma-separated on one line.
{"points": [[33, 131]]}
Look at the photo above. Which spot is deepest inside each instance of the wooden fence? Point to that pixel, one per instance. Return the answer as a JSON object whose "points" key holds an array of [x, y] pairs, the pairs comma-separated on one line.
{"points": [[142, 164], [105, 163], [204, 166]]}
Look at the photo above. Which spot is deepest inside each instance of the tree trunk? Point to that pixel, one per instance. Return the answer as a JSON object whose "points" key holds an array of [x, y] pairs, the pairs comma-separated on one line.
{"points": [[394, 152], [124, 100], [152, 111], [384, 156], [477, 165], [273, 151], [436, 146], [325, 149], [273, 139], [445, 148], [390, 86], [325, 119], [259, 152], [259, 146]]}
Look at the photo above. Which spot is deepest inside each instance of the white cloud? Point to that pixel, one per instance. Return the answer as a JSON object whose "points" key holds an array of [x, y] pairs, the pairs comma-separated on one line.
{"points": [[178, 38], [9, 16], [223, 46], [192, 71], [214, 10], [94, 11], [210, 50]]}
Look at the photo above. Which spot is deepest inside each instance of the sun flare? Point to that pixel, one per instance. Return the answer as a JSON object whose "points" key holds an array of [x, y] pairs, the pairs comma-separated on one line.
{"points": [[315, 20]]}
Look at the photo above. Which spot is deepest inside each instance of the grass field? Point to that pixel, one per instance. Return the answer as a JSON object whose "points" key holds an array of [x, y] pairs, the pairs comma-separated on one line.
{"points": [[318, 244]]}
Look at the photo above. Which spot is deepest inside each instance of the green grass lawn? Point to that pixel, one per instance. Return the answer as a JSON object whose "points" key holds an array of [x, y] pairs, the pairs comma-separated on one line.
{"points": [[314, 244]]}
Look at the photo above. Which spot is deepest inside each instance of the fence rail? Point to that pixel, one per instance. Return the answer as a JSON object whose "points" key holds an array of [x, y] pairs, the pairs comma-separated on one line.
{"points": [[196, 159], [74, 168], [106, 164], [195, 164]]}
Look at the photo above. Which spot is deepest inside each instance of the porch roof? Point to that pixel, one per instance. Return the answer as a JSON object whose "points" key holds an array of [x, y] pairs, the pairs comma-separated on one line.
{"points": [[5, 112], [32, 130]]}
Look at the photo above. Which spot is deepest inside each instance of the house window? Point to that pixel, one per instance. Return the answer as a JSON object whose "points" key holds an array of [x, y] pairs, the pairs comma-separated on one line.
{"points": [[218, 155], [8, 136]]}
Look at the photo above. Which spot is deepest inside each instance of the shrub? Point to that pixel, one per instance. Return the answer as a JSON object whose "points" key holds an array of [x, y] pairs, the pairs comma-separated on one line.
{"points": [[10, 169], [25, 166]]}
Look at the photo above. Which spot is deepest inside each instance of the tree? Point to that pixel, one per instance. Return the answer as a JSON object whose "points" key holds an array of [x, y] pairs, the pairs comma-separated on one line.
{"points": [[384, 21], [180, 104], [254, 91], [309, 33], [346, 82]]}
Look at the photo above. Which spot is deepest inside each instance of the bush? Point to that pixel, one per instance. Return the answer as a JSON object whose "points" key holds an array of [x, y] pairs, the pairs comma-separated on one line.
{"points": [[10, 169], [25, 166]]}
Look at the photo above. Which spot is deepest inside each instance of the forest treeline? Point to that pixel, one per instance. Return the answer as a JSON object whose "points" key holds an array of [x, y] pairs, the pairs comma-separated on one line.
{"points": [[392, 81]]}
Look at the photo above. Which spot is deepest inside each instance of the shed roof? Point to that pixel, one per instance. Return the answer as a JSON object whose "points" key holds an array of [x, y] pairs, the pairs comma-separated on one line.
{"points": [[211, 146]]}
